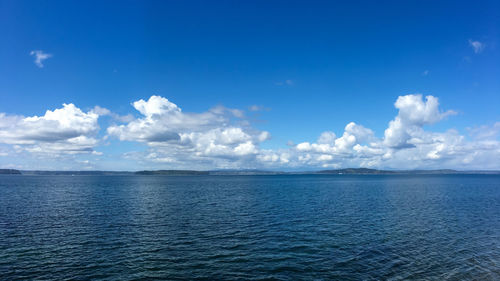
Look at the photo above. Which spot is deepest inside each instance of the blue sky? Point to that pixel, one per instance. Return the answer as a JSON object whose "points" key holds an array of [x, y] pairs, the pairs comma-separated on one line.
{"points": [[309, 67]]}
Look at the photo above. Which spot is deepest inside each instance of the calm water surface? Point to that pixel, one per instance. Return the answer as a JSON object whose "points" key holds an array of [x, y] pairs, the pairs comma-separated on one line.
{"points": [[250, 227]]}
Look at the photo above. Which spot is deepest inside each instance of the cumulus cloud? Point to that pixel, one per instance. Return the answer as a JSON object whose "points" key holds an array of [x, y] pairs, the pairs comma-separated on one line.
{"points": [[405, 145], [63, 130], [163, 121], [329, 149], [212, 139], [176, 135], [476, 46], [413, 114], [327, 137], [221, 138], [40, 56]]}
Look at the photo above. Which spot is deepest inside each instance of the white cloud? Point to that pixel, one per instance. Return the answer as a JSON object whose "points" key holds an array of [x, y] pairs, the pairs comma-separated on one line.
{"points": [[405, 145], [413, 114], [101, 111], [327, 137], [212, 139], [476, 45], [255, 108], [211, 136], [156, 105], [485, 131], [287, 82], [163, 121], [66, 130], [221, 138], [40, 56], [328, 148]]}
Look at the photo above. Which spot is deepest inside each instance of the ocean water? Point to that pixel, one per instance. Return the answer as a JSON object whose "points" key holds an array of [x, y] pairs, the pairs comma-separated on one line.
{"points": [[294, 227]]}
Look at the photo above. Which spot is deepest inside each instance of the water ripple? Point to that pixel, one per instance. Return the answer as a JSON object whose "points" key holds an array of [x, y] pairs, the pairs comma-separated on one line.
{"points": [[250, 228]]}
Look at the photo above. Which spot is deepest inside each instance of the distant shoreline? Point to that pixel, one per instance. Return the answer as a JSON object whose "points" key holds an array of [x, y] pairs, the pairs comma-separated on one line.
{"points": [[347, 171]]}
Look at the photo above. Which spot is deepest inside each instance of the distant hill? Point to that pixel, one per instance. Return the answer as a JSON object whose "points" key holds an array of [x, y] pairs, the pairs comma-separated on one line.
{"points": [[244, 172], [366, 171], [355, 171], [346, 171], [440, 171], [205, 173], [75, 173], [174, 173], [9, 172]]}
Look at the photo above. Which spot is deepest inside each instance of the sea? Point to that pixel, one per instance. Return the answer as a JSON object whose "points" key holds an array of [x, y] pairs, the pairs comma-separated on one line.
{"points": [[272, 227]]}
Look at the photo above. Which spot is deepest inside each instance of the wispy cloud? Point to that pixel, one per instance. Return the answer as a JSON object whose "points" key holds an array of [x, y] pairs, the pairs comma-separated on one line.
{"points": [[476, 45], [101, 111], [287, 82], [40, 56], [425, 72], [255, 108]]}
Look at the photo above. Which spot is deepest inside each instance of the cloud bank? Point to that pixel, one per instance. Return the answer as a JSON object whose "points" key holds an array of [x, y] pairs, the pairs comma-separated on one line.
{"points": [[218, 136], [406, 144], [169, 138]]}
